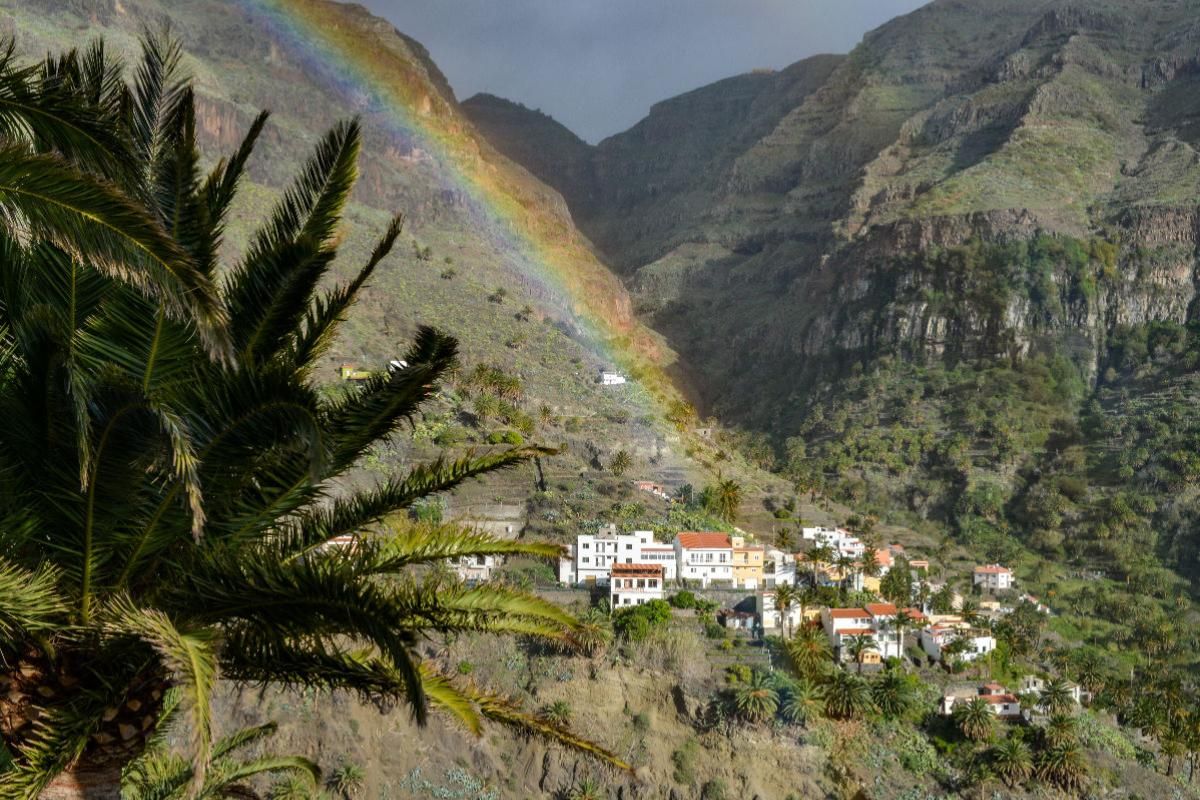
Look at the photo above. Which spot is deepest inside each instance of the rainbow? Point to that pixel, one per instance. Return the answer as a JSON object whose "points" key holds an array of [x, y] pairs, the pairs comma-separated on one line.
{"points": [[539, 248]]}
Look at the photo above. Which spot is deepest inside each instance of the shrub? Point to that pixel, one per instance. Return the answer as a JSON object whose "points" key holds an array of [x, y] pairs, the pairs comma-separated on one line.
{"points": [[714, 790], [682, 599], [684, 760]]}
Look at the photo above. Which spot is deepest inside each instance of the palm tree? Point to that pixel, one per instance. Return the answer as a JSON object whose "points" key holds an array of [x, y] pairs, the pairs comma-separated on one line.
{"points": [[1063, 765], [171, 477], [799, 701], [1056, 697], [723, 499], [1012, 761], [892, 693], [847, 696], [858, 648], [161, 774], [755, 700], [785, 598], [809, 651], [970, 611], [1089, 670], [847, 569], [974, 719], [347, 779], [1060, 729], [900, 623], [620, 464], [870, 561], [819, 556]]}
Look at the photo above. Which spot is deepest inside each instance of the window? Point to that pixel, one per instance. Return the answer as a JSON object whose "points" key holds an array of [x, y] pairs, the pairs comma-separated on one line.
{"points": [[628, 546], [586, 546], [585, 560]]}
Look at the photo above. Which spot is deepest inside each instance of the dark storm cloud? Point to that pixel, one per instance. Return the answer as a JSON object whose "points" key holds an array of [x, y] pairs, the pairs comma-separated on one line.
{"points": [[598, 65]]}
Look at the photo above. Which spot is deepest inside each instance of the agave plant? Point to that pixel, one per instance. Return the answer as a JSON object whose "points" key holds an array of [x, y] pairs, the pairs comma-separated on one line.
{"points": [[172, 489]]}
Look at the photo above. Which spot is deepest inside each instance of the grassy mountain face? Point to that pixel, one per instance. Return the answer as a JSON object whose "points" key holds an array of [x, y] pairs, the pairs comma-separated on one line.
{"points": [[456, 267], [919, 267]]}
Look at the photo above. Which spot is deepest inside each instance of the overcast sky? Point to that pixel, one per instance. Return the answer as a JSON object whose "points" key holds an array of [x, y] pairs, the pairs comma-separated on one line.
{"points": [[598, 65]]}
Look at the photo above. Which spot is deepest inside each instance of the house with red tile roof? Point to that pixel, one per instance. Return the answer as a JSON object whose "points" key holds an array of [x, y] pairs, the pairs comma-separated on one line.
{"points": [[634, 584], [1001, 702], [993, 577], [876, 620], [705, 557]]}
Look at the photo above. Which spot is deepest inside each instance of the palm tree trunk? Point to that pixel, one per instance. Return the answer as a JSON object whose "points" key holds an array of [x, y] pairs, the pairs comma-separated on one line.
{"points": [[102, 783]]}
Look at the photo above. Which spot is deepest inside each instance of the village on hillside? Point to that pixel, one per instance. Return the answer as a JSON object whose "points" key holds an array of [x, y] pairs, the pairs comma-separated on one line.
{"points": [[890, 613]]}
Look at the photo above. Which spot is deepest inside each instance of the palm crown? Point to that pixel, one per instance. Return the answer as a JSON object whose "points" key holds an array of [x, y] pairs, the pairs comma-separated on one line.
{"points": [[169, 473]]}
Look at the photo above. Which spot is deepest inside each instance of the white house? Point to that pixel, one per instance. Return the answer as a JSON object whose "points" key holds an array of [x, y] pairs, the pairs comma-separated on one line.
{"points": [[937, 637], [661, 554], [1001, 702], [993, 577], [704, 557], [780, 569], [635, 584], [611, 378], [773, 620], [596, 553], [843, 542], [591, 558], [1034, 685]]}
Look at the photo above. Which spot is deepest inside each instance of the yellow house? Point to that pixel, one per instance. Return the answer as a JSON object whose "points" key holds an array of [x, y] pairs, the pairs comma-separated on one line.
{"points": [[748, 563]]}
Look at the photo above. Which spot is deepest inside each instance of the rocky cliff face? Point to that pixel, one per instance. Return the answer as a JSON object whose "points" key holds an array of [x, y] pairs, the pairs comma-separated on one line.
{"points": [[771, 243]]}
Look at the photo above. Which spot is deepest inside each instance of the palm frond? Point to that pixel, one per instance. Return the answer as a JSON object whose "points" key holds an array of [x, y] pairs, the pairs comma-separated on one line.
{"points": [[428, 544], [375, 409], [191, 660], [364, 509], [42, 196], [328, 311], [39, 105], [469, 704], [30, 601], [269, 292]]}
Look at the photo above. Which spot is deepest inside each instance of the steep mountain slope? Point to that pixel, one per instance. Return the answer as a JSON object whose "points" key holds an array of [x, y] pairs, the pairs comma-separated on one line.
{"points": [[489, 252], [919, 270]]}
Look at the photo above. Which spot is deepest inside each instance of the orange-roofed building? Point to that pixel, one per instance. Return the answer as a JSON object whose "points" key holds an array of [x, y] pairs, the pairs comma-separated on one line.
{"points": [[875, 620], [635, 584], [704, 557], [993, 577]]}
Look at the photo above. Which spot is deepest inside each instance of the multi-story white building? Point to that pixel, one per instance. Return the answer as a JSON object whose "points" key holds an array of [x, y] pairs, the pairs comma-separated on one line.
{"points": [[635, 584], [591, 558], [662, 555], [780, 569], [976, 641], [704, 557], [993, 577], [843, 542]]}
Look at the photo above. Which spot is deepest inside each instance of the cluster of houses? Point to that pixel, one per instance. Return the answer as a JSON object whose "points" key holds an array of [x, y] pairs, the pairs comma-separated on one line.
{"points": [[700, 557]]}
